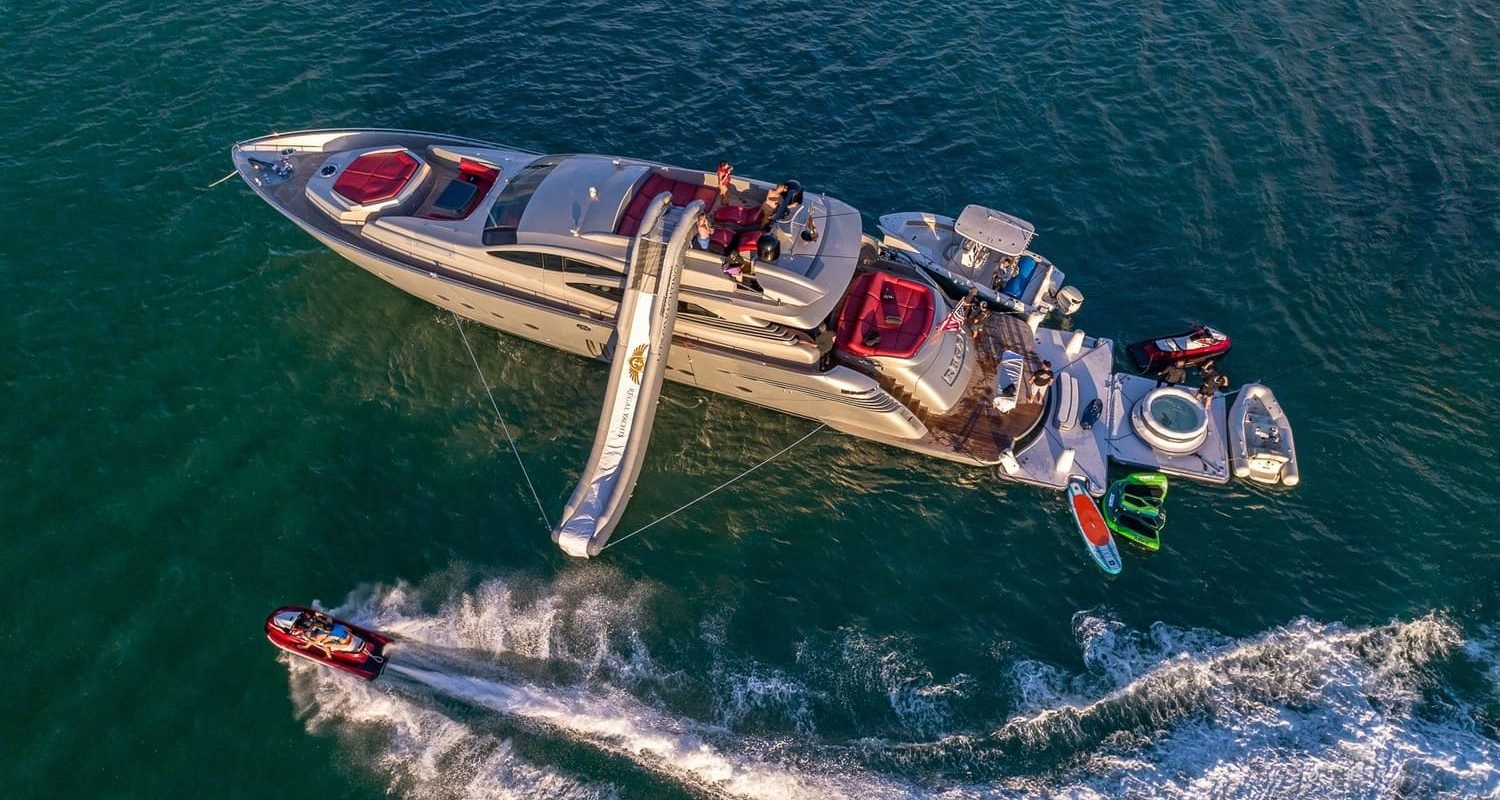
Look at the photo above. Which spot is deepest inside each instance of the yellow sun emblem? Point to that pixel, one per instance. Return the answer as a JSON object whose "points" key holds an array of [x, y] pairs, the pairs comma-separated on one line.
{"points": [[638, 363]]}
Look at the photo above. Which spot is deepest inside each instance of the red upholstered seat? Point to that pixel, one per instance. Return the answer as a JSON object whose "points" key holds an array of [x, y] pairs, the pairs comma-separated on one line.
{"points": [[374, 177], [737, 215], [683, 192], [722, 240], [477, 173], [902, 317]]}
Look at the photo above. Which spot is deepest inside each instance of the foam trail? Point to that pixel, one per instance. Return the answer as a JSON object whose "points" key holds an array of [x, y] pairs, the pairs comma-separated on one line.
{"points": [[1307, 709], [497, 649], [618, 723], [424, 753]]}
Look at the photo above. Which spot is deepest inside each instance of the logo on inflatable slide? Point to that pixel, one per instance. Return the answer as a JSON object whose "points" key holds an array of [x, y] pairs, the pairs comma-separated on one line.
{"points": [[638, 363]]}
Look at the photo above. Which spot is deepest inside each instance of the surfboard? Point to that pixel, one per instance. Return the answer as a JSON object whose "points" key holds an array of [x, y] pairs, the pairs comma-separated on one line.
{"points": [[1096, 536]]}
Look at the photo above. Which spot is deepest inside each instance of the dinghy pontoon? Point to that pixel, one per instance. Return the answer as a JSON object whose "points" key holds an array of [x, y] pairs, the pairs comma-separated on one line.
{"points": [[1260, 438]]}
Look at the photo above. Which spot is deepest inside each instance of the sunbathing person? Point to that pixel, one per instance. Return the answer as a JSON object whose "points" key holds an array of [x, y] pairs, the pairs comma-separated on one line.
{"points": [[730, 208], [791, 216], [772, 203], [334, 638]]}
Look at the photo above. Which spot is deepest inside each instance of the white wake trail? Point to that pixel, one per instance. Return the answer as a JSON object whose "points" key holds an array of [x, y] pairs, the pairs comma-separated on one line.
{"points": [[618, 723]]}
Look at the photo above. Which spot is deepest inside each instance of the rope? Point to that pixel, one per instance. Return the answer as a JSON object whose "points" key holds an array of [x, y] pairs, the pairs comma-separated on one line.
{"points": [[705, 495], [225, 178], [501, 417]]}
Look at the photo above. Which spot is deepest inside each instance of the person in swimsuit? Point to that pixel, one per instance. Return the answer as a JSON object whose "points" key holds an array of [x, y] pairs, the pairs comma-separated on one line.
{"points": [[772, 203], [327, 635], [725, 171], [705, 231]]}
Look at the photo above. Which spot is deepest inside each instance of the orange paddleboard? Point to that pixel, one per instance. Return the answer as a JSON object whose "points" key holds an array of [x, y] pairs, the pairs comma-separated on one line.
{"points": [[1096, 535]]}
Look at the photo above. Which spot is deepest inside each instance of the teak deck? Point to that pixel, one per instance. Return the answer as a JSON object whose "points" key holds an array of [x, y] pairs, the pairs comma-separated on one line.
{"points": [[974, 427]]}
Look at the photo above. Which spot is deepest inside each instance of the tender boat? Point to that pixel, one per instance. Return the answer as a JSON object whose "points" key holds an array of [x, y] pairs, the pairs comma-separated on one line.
{"points": [[982, 250], [1260, 438], [1187, 348], [317, 636], [1133, 508]]}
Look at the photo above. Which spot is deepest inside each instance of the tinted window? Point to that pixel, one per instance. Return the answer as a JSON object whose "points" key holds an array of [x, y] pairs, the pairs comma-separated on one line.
{"points": [[611, 293], [519, 257], [505, 215], [684, 307], [585, 268], [556, 263]]}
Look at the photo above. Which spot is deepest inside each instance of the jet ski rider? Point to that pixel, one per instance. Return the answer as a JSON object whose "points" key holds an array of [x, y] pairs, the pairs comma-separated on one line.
{"points": [[324, 633]]}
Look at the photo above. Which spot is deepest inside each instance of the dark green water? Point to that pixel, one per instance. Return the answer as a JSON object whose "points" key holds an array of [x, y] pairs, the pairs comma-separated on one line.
{"points": [[208, 415]]}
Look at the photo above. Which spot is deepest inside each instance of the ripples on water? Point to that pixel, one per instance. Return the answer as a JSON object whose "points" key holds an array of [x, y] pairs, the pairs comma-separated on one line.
{"points": [[212, 415]]}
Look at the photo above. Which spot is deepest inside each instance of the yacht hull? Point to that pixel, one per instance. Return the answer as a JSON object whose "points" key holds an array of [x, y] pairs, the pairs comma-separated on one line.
{"points": [[844, 399]]}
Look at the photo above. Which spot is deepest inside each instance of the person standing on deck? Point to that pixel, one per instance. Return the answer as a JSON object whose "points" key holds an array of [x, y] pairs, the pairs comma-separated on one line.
{"points": [[825, 339], [1213, 381], [1040, 380], [1173, 375], [724, 172]]}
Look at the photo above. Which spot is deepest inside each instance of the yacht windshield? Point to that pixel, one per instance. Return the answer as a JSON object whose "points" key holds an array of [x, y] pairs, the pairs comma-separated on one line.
{"points": [[505, 214]]}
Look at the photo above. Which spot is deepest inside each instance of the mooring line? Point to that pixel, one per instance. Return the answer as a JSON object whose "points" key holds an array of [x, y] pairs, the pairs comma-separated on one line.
{"points": [[703, 496], [225, 178], [503, 426]]}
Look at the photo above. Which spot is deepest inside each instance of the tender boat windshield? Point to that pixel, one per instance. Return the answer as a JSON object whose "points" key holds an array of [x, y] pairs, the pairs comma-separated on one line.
{"points": [[505, 214]]}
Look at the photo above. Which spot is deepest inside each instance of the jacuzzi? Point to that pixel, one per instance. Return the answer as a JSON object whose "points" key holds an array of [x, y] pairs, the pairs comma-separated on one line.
{"points": [[1171, 420]]}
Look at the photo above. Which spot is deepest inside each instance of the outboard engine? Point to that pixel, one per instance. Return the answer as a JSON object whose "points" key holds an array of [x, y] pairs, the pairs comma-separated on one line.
{"points": [[1069, 300]]}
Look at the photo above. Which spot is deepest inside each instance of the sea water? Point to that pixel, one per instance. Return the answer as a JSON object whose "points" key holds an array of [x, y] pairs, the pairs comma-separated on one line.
{"points": [[209, 415]]}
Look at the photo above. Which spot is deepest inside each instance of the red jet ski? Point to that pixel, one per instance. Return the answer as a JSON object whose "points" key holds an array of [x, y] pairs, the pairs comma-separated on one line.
{"points": [[1191, 347], [332, 642]]}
